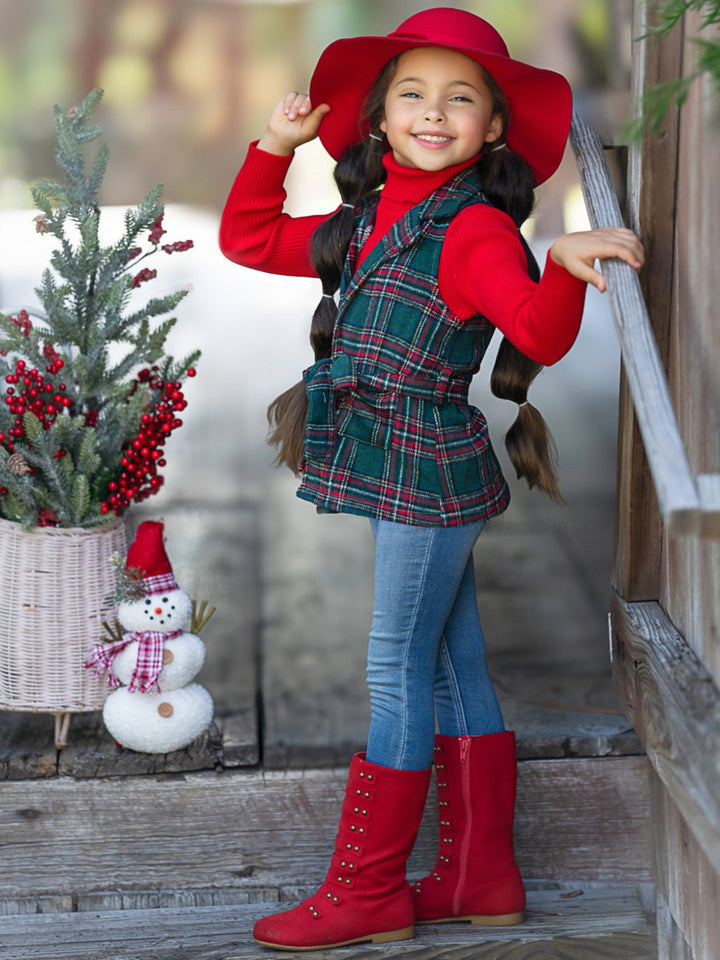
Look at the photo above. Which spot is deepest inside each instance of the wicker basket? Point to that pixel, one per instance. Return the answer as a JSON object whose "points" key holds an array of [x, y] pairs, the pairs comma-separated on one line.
{"points": [[54, 585]]}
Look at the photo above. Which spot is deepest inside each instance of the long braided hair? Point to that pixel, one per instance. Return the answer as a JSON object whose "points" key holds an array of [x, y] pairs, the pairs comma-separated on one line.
{"points": [[507, 182]]}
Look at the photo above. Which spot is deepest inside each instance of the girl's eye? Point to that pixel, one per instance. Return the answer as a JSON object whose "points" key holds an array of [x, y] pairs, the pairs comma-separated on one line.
{"points": [[410, 94], [462, 99]]}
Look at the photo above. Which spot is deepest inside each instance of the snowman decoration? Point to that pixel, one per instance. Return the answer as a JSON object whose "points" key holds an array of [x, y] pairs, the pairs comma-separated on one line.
{"points": [[155, 707]]}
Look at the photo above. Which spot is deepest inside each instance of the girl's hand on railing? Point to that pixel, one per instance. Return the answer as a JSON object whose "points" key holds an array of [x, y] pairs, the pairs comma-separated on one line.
{"points": [[577, 252], [293, 122]]}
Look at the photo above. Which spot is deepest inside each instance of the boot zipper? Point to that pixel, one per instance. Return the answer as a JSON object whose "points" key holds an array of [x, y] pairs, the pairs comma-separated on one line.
{"points": [[465, 744]]}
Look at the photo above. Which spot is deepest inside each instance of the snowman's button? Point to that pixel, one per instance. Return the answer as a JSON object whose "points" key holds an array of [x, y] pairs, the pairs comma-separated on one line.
{"points": [[165, 710], [168, 656]]}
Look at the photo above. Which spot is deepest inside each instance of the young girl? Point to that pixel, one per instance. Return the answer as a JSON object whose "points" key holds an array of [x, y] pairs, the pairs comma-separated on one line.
{"points": [[415, 279]]}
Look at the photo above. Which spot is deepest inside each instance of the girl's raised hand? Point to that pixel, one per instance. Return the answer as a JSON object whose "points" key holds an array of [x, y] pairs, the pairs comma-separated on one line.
{"points": [[292, 123], [577, 252]]}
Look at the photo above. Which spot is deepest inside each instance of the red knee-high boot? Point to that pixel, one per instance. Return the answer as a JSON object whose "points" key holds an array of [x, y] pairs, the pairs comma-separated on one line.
{"points": [[365, 895], [475, 877]]}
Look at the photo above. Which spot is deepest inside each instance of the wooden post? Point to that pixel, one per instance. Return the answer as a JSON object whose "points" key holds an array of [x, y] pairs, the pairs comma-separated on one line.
{"points": [[652, 177], [667, 654]]}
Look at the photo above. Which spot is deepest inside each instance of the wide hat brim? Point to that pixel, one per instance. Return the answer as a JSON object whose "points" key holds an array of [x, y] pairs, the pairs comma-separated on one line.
{"points": [[539, 100]]}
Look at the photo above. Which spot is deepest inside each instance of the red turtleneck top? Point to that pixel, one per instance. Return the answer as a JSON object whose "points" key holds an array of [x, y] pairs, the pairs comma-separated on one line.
{"points": [[483, 268]]}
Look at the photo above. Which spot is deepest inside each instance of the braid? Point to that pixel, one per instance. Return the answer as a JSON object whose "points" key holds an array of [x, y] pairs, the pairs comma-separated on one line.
{"points": [[508, 183], [359, 172]]}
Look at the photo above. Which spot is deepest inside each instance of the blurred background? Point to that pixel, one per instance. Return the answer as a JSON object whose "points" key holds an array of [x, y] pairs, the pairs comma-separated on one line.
{"points": [[188, 83]]}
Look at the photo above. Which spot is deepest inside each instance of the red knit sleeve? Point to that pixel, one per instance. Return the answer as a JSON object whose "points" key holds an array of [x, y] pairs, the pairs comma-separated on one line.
{"points": [[254, 231], [483, 270]]}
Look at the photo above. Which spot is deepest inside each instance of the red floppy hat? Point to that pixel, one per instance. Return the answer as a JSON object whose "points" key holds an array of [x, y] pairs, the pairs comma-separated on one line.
{"points": [[540, 101]]}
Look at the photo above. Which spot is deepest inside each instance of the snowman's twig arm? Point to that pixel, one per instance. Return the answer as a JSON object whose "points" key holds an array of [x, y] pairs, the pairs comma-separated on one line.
{"points": [[112, 634], [201, 613]]}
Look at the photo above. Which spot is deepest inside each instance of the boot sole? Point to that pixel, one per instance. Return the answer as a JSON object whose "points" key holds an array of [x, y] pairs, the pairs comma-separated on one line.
{"points": [[500, 920], [407, 933]]}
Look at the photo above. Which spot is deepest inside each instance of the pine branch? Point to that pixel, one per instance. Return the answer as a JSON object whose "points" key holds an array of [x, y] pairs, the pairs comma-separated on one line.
{"points": [[74, 420], [178, 371]]}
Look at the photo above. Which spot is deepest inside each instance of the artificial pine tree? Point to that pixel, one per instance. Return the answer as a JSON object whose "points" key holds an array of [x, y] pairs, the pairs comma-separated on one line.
{"points": [[90, 396]]}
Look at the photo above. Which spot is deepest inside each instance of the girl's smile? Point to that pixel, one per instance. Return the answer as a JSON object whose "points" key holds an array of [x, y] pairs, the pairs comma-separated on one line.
{"points": [[438, 109]]}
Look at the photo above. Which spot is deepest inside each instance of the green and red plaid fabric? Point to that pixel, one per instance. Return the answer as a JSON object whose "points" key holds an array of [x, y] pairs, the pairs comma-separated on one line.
{"points": [[390, 432]]}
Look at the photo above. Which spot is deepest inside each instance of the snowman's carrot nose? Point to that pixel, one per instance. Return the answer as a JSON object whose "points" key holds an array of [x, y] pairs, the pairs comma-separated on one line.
{"points": [[158, 610]]}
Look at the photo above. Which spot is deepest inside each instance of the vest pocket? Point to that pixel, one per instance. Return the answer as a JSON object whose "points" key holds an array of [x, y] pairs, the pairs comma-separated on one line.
{"points": [[319, 431], [368, 416]]}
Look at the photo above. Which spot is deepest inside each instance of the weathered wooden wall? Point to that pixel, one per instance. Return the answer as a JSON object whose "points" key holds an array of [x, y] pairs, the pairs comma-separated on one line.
{"points": [[690, 587], [667, 654]]}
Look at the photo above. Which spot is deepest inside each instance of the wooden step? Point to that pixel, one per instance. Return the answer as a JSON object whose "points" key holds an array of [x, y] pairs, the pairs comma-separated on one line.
{"points": [[564, 921], [69, 843]]}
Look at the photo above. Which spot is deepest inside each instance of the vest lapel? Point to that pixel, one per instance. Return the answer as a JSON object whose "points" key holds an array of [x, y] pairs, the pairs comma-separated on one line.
{"points": [[443, 204], [401, 235]]}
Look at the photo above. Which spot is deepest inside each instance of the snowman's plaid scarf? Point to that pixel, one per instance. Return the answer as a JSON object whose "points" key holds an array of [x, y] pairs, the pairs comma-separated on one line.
{"points": [[149, 659]]}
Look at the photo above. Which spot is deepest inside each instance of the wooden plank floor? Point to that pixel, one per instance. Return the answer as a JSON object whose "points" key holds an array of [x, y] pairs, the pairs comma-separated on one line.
{"points": [[564, 922]]}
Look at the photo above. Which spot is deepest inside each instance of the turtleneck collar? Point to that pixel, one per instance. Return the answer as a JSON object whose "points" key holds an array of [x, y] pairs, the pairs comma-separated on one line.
{"points": [[409, 185]]}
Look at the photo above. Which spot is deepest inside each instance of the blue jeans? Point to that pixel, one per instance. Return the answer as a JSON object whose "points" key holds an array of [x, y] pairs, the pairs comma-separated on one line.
{"points": [[426, 655]]}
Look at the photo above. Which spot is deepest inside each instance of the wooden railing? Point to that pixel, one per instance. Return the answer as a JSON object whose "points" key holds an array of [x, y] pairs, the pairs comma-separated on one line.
{"points": [[689, 505]]}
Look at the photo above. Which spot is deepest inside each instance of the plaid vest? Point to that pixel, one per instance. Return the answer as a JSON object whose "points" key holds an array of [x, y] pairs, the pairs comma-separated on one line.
{"points": [[390, 433]]}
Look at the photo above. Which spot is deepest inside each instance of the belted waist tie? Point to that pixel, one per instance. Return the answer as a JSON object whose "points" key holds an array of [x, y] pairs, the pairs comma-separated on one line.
{"points": [[347, 374], [329, 377]]}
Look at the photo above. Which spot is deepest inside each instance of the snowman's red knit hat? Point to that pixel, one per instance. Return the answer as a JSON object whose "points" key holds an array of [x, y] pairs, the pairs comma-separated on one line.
{"points": [[147, 553]]}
